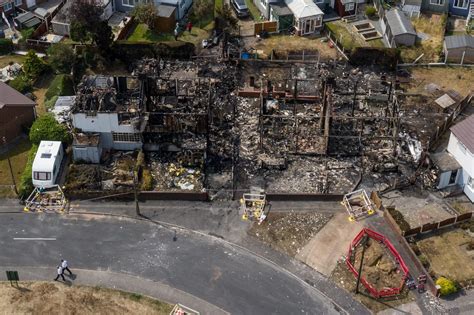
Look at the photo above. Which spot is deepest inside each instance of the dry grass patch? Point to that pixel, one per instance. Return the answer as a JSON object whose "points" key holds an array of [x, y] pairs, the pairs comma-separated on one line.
{"points": [[285, 43], [434, 27], [18, 158], [5, 60], [449, 256], [457, 78], [57, 298]]}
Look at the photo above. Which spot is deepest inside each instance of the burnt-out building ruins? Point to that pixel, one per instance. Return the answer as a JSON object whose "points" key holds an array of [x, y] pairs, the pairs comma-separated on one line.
{"points": [[289, 127]]}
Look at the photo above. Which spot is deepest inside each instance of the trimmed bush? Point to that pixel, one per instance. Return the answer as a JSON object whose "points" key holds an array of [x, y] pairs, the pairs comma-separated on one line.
{"points": [[424, 261], [26, 33], [147, 180], [447, 286], [51, 102], [370, 11], [22, 84], [398, 217], [25, 186], [415, 249], [60, 86], [47, 128], [6, 46]]}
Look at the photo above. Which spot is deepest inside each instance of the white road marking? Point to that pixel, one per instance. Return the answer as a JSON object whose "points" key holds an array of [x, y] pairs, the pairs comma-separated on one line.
{"points": [[34, 238]]}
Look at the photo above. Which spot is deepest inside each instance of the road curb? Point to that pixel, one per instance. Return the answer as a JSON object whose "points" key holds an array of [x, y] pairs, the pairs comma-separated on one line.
{"points": [[337, 307], [121, 281]]}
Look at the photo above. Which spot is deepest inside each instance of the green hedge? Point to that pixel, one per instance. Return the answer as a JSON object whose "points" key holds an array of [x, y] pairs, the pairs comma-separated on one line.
{"points": [[60, 86], [6, 46], [46, 127], [49, 104], [22, 84], [129, 52], [25, 186]]}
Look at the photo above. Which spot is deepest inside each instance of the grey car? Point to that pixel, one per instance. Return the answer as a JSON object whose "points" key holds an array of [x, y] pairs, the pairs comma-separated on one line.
{"points": [[240, 8]]}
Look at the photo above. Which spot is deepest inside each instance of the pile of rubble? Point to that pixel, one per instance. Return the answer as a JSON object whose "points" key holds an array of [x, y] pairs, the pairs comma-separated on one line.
{"points": [[173, 172], [289, 232]]}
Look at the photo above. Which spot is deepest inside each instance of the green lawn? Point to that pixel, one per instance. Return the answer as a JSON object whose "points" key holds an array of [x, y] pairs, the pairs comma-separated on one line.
{"points": [[218, 4], [141, 33], [18, 157], [254, 12], [342, 35]]}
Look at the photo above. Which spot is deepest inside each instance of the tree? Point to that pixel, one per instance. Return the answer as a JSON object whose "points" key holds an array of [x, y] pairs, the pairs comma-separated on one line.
{"points": [[78, 32], [146, 13], [46, 127], [103, 36], [202, 9], [33, 66], [61, 58], [88, 13], [227, 20], [86, 17]]}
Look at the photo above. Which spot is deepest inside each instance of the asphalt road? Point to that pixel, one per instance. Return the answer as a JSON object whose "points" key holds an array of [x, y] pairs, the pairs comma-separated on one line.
{"points": [[228, 277]]}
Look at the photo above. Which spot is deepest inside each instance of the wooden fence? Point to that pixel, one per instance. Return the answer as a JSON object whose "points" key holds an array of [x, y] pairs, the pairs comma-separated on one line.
{"points": [[43, 27], [441, 129], [270, 27]]}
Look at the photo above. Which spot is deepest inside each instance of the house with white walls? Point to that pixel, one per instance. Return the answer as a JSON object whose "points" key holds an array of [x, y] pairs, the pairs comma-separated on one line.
{"points": [[461, 152]]}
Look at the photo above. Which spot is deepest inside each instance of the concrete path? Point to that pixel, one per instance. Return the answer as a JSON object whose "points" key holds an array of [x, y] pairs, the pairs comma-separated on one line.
{"points": [[213, 270], [119, 281], [324, 250]]}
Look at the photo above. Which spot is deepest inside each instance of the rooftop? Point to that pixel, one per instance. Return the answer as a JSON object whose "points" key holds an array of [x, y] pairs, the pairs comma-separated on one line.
{"points": [[399, 23], [303, 8], [11, 97], [459, 41], [464, 131], [46, 155]]}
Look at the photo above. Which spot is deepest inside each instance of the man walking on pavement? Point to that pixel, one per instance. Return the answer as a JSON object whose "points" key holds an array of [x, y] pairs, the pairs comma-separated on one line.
{"points": [[64, 266], [60, 274]]}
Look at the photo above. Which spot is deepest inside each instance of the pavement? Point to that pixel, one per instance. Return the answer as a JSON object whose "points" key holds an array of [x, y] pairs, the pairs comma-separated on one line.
{"points": [[324, 250], [118, 281], [208, 268]]}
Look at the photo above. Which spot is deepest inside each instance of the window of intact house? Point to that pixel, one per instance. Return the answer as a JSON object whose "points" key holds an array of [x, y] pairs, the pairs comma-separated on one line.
{"points": [[318, 22], [437, 2], [350, 6], [128, 3], [125, 137], [461, 4], [7, 6], [470, 183], [42, 175], [18, 2]]}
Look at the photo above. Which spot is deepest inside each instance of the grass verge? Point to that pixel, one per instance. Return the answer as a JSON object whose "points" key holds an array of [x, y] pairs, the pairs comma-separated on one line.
{"points": [[18, 157]]}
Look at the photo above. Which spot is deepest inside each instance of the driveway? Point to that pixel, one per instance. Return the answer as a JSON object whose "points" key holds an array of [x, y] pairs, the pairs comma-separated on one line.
{"points": [[212, 270]]}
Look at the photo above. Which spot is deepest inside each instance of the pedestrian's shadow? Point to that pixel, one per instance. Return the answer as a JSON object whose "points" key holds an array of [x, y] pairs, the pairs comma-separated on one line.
{"points": [[71, 276]]}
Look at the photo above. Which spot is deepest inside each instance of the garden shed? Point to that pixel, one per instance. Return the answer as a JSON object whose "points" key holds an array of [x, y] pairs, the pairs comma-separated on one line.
{"points": [[166, 21], [397, 29], [280, 13], [459, 49]]}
